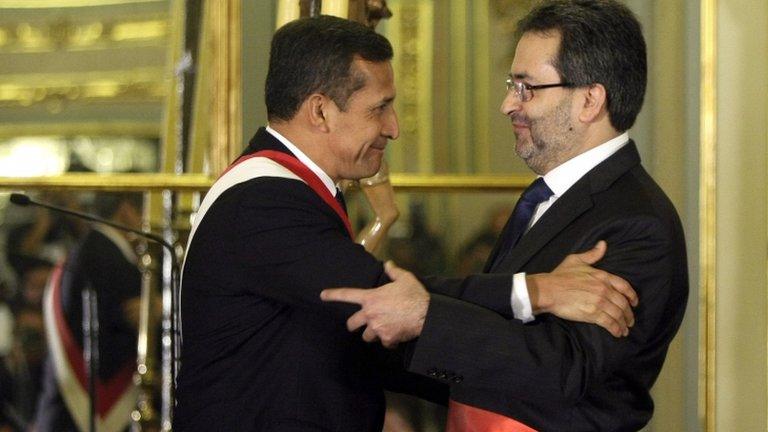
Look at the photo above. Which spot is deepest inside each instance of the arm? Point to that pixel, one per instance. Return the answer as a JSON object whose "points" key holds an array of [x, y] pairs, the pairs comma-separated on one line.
{"points": [[562, 359], [277, 239], [574, 290]]}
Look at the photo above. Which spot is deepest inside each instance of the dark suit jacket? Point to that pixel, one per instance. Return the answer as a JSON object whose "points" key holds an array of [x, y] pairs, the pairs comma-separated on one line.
{"points": [[260, 351], [557, 375]]}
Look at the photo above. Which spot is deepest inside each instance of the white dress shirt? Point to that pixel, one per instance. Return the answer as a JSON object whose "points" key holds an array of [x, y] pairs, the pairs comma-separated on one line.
{"points": [[559, 180], [326, 179]]}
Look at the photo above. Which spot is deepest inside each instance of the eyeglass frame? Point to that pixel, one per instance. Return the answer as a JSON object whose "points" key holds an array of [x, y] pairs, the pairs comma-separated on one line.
{"points": [[520, 87]]}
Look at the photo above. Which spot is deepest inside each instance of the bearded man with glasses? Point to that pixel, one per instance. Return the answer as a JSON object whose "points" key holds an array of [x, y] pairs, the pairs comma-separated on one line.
{"points": [[575, 87]]}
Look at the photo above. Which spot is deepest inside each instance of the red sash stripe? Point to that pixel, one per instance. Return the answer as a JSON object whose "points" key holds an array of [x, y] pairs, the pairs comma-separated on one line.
{"points": [[306, 174], [465, 418], [108, 392]]}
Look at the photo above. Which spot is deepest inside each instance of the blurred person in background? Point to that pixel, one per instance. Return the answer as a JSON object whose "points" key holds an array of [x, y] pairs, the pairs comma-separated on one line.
{"points": [[106, 262]]}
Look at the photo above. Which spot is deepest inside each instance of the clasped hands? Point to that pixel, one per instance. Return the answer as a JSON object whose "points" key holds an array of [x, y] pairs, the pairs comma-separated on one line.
{"points": [[574, 290]]}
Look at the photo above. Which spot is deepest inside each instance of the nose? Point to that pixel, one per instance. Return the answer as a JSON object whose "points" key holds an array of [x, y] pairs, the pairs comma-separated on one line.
{"points": [[511, 104], [391, 128]]}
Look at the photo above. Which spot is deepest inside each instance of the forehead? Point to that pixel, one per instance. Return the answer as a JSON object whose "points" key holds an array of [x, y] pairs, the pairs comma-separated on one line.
{"points": [[535, 56]]}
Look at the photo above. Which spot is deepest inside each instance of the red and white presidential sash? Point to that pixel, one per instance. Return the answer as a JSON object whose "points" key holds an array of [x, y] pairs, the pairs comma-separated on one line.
{"points": [[264, 163], [116, 397]]}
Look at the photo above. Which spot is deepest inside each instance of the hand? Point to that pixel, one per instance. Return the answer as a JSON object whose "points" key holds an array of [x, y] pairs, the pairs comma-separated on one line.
{"points": [[577, 291], [392, 313]]}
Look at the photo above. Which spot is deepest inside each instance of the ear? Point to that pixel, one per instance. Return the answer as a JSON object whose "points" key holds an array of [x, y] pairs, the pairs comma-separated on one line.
{"points": [[595, 103], [317, 109]]}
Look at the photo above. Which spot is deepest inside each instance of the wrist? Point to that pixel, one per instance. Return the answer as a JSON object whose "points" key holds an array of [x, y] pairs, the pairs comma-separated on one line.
{"points": [[423, 307], [540, 301]]}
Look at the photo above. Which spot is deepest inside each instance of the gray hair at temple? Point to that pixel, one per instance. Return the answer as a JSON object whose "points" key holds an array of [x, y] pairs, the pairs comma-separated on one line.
{"points": [[314, 55]]}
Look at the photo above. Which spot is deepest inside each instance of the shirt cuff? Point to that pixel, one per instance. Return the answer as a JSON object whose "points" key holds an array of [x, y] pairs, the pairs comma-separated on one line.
{"points": [[521, 301]]}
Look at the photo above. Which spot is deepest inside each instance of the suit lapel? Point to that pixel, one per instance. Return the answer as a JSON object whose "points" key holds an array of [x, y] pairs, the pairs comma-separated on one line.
{"points": [[497, 247], [565, 210], [574, 202]]}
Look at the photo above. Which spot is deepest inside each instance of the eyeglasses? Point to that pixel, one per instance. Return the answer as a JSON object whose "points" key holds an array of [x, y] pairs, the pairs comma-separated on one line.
{"points": [[524, 91]]}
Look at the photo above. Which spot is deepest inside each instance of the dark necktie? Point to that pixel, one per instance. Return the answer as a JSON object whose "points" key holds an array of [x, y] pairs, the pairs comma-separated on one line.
{"points": [[535, 194], [340, 199]]}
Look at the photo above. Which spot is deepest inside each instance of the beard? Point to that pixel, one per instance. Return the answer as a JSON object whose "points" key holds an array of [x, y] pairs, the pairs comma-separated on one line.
{"points": [[549, 140]]}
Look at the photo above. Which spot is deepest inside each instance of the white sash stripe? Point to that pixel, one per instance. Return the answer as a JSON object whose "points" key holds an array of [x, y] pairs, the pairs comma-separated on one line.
{"points": [[74, 395], [242, 172]]}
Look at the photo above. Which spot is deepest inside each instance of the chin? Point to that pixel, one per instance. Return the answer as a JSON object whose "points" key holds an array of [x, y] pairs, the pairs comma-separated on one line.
{"points": [[524, 150]]}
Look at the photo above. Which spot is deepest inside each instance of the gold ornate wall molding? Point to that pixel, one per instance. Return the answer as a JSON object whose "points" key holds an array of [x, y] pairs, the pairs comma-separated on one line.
{"points": [[55, 91], [94, 129], [411, 32], [202, 182], [49, 4], [64, 34]]}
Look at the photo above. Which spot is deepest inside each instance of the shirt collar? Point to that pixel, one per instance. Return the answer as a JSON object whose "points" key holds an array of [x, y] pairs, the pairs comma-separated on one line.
{"points": [[325, 178], [567, 174]]}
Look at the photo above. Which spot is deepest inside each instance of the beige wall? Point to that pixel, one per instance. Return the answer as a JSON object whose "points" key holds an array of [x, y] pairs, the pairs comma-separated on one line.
{"points": [[665, 157], [742, 110]]}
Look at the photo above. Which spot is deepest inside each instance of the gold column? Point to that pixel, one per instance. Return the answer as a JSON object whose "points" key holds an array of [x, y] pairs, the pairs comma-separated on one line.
{"points": [[339, 8], [287, 11], [707, 214], [481, 81], [226, 127], [461, 133]]}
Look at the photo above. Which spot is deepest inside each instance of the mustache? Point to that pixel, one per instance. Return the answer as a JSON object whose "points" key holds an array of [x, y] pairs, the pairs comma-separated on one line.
{"points": [[520, 119]]}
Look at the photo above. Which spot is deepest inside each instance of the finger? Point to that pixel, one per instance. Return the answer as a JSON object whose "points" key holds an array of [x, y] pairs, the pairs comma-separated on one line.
{"points": [[389, 343], [622, 286], [357, 320], [347, 295], [593, 255], [622, 303], [369, 335], [616, 313], [607, 322]]}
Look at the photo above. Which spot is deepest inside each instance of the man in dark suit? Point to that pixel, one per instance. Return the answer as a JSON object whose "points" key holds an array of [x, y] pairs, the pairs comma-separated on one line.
{"points": [[575, 87], [260, 351], [106, 262]]}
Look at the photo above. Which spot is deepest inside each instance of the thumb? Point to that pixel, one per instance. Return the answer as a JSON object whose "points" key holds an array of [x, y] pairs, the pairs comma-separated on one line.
{"points": [[595, 254], [393, 271]]}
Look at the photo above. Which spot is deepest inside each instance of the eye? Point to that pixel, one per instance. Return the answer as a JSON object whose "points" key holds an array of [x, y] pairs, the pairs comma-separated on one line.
{"points": [[380, 108]]}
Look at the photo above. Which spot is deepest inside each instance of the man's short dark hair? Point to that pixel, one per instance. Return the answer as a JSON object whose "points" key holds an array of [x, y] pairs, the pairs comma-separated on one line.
{"points": [[314, 55], [601, 42], [105, 204]]}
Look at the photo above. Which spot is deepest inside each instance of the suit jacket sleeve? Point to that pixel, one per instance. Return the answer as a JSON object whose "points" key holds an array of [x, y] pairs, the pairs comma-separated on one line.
{"points": [[288, 246], [491, 291], [559, 358]]}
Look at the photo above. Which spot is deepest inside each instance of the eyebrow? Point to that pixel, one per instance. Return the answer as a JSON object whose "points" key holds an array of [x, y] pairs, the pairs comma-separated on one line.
{"points": [[519, 76], [385, 101]]}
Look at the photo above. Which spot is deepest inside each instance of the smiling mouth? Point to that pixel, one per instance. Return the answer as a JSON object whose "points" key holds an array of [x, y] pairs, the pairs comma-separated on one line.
{"points": [[519, 126]]}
